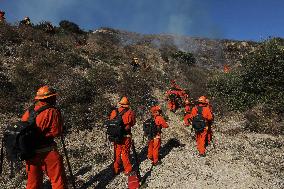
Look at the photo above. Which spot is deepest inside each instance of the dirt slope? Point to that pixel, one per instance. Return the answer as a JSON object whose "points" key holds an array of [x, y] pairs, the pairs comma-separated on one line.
{"points": [[91, 77]]}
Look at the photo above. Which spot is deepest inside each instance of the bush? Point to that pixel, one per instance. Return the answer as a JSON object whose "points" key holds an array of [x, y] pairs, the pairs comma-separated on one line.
{"points": [[70, 27], [260, 121], [45, 26], [260, 80], [185, 57]]}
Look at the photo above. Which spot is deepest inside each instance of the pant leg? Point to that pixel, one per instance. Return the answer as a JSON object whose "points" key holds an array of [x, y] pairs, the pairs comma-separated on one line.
{"points": [[35, 173], [156, 148], [54, 168], [150, 149], [125, 153], [117, 157], [200, 141]]}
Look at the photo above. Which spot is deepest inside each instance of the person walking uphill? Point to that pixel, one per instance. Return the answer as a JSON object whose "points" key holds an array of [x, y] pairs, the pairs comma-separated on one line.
{"points": [[122, 147], [47, 159], [2, 16], [209, 134], [200, 117], [152, 128]]}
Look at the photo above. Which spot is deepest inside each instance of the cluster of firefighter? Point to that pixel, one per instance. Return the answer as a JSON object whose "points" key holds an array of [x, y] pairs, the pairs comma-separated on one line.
{"points": [[49, 122], [27, 22]]}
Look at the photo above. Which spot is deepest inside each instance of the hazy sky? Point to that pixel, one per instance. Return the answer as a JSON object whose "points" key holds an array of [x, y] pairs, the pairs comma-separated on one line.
{"points": [[231, 19]]}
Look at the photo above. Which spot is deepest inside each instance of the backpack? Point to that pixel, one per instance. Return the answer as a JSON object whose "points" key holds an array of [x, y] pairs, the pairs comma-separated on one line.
{"points": [[172, 97], [116, 127], [150, 128], [23, 139], [198, 122]]}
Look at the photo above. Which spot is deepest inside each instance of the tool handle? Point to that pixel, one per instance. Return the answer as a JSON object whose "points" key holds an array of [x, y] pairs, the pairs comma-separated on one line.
{"points": [[68, 162]]}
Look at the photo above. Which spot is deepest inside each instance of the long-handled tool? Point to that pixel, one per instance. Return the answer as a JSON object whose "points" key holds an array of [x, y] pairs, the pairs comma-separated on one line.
{"points": [[68, 162], [134, 179], [2, 156]]}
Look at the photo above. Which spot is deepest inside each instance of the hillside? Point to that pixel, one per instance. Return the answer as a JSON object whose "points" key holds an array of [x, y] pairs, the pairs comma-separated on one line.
{"points": [[92, 70]]}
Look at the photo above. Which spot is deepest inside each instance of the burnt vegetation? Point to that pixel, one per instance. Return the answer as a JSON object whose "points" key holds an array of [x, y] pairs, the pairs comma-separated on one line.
{"points": [[87, 68], [92, 70]]}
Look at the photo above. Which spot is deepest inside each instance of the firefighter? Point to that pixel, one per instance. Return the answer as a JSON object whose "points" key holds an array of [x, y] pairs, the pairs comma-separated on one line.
{"points": [[175, 96], [154, 143], [209, 134], [2, 16], [26, 22], [187, 106], [135, 64], [122, 149], [47, 159], [200, 117]]}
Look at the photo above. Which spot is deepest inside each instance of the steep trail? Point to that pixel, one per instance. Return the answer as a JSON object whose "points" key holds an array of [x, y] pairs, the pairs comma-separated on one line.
{"points": [[240, 159], [228, 165]]}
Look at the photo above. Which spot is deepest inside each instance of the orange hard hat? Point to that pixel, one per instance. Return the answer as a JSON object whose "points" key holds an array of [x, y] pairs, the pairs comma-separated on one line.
{"points": [[202, 99], [45, 92], [124, 102]]}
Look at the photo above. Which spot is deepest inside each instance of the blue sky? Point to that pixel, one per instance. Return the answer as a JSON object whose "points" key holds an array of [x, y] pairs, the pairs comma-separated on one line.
{"points": [[230, 19]]}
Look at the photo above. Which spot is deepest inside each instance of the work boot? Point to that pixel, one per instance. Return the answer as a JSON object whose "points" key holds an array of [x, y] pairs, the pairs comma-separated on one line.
{"points": [[202, 155]]}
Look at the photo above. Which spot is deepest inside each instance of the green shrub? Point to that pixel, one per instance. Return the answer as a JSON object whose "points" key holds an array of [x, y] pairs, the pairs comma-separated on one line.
{"points": [[71, 27], [185, 57], [260, 80]]}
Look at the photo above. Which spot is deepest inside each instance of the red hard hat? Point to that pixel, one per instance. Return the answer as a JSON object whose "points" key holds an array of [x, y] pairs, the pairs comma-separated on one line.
{"points": [[45, 92]]}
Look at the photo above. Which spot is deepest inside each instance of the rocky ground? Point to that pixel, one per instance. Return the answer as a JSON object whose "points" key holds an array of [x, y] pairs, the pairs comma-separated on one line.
{"points": [[236, 159]]}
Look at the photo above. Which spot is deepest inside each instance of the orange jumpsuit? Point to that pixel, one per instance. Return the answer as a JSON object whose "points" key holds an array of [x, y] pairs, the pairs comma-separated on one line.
{"points": [[122, 151], [172, 104], [200, 136], [49, 160], [154, 145], [187, 109]]}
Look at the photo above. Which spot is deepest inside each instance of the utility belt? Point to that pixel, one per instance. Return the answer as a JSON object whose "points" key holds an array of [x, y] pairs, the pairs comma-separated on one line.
{"points": [[46, 149]]}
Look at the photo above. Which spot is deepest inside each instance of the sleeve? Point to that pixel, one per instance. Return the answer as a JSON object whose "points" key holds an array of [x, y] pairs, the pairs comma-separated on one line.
{"points": [[56, 123], [186, 119], [112, 114], [207, 114], [193, 113], [129, 119], [161, 122], [25, 116]]}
